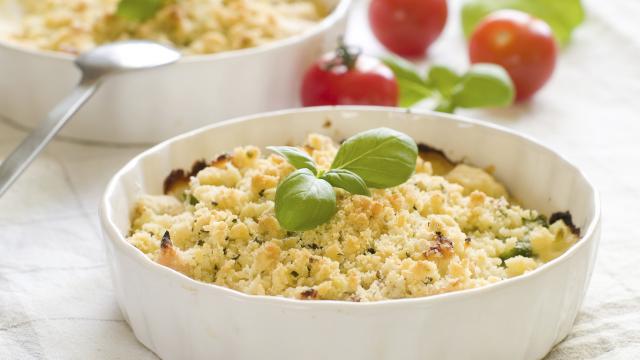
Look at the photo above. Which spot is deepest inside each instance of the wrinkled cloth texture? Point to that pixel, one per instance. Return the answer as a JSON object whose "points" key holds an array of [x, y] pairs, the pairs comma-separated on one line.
{"points": [[56, 296]]}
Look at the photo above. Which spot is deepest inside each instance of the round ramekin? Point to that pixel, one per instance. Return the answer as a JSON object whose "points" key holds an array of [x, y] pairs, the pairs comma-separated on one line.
{"points": [[519, 318], [150, 106]]}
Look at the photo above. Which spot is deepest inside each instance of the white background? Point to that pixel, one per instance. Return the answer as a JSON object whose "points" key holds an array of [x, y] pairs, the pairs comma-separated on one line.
{"points": [[56, 299]]}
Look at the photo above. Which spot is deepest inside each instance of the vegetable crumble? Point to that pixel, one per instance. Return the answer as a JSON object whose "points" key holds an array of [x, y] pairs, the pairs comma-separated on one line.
{"points": [[193, 26], [449, 227]]}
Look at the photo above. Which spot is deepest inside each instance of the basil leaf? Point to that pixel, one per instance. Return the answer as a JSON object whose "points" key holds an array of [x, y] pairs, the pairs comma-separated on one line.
{"points": [[138, 10], [484, 85], [443, 78], [348, 180], [295, 157], [445, 106], [381, 157], [303, 201], [563, 16], [413, 88]]}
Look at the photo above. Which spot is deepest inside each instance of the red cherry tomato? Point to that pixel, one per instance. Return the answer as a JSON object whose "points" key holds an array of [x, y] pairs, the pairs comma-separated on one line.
{"points": [[520, 43], [407, 27], [344, 77]]}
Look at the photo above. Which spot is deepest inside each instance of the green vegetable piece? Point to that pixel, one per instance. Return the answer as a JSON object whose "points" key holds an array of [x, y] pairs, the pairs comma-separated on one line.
{"points": [[413, 88], [443, 78], [484, 85], [381, 157], [348, 180], [303, 201], [522, 248], [295, 157], [138, 10], [563, 16]]}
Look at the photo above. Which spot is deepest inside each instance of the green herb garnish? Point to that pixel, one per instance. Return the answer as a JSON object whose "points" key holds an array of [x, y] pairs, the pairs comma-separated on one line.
{"points": [[295, 157], [413, 87], [378, 158], [521, 248], [348, 180], [304, 201], [381, 157], [138, 10], [563, 16], [483, 85]]}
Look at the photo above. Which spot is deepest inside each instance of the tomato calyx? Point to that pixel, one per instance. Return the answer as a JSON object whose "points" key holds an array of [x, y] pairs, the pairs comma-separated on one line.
{"points": [[345, 55]]}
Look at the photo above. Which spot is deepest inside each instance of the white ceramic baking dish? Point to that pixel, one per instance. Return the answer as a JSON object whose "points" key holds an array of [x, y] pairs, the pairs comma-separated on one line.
{"points": [[151, 106], [520, 318]]}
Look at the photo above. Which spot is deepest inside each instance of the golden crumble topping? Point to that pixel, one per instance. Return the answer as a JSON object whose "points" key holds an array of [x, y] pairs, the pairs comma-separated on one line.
{"points": [[194, 26], [438, 232]]}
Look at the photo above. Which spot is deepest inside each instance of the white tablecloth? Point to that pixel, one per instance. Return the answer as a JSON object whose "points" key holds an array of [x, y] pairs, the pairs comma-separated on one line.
{"points": [[56, 297]]}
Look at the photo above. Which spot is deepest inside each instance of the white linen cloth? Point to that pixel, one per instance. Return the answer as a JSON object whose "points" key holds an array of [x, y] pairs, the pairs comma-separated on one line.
{"points": [[56, 298]]}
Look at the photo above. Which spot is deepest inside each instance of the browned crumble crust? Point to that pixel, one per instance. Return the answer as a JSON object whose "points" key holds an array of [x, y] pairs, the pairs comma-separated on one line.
{"points": [[424, 149], [309, 294], [566, 217], [166, 241], [178, 178]]}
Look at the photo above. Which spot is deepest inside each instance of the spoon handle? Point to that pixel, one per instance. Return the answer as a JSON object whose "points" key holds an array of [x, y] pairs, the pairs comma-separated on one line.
{"points": [[23, 155]]}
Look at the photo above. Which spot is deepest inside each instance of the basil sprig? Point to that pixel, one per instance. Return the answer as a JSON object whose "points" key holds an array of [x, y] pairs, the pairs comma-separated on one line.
{"points": [[138, 10], [563, 16], [378, 158], [483, 85]]}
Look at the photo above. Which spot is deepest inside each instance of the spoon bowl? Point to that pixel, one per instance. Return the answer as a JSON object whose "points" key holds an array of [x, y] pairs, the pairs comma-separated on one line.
{"points": [[125, 56]]}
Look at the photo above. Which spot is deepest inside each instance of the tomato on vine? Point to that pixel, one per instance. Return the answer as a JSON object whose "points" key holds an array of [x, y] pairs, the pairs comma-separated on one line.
{"points": [[347, 77]]}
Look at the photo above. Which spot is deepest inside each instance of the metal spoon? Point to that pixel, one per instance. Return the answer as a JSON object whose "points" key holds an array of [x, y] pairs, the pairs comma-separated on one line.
{"points": [[95, 66]]}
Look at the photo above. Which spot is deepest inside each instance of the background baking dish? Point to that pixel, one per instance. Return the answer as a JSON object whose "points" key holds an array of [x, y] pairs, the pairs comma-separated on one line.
{"points": [[519, 318], [151, 106]]}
